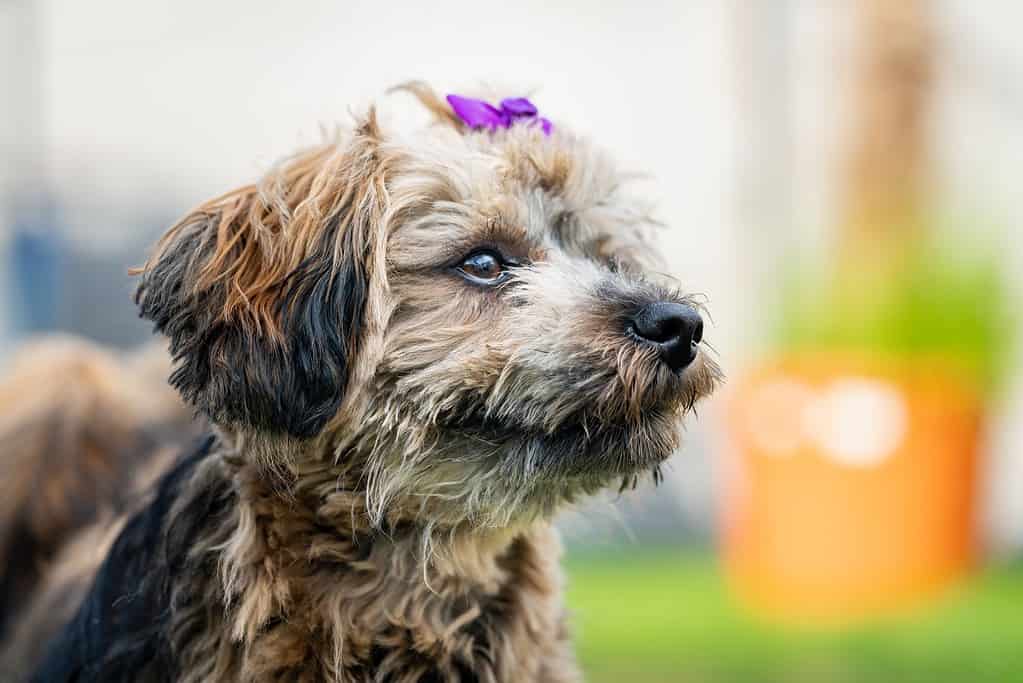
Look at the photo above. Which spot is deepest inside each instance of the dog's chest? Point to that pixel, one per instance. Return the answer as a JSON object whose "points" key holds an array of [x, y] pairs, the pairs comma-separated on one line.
{"points": [[368, 620]]}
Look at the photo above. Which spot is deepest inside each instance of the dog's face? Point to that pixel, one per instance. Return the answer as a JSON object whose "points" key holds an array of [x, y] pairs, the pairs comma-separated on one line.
{"points": [[471, 319]]}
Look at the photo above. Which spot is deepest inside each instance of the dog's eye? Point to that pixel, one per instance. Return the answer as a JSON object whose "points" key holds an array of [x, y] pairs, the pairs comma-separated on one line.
{"points": [[483, 267]]}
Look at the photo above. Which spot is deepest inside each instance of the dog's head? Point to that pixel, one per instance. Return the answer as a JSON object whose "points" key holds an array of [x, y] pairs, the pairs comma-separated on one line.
{"points": [[471, 318]]}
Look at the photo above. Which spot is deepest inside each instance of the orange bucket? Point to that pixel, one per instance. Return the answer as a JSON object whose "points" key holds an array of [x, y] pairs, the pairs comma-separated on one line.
{"points": [[852, 482]]}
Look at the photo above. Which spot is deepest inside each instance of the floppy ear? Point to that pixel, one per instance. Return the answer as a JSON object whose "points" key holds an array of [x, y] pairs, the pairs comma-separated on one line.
{"points": [[262, 291]]}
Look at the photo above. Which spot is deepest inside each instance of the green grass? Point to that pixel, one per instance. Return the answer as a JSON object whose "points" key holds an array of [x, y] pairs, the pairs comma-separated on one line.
{"points": [[665, 616]]}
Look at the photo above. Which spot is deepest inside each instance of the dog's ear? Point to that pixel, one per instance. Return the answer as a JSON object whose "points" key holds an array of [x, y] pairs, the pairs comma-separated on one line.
{"points": [[262, 291]]}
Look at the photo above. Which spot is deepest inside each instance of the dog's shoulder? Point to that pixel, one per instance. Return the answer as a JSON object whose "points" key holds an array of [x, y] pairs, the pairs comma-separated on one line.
{"points": [[120, 627]]}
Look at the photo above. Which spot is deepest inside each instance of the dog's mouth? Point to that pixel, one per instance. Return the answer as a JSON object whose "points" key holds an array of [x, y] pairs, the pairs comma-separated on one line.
{"points": [[581, 446], [590, 441]]}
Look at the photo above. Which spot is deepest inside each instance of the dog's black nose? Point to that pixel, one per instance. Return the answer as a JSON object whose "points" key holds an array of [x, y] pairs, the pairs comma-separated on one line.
{"points": [[675, 329]]}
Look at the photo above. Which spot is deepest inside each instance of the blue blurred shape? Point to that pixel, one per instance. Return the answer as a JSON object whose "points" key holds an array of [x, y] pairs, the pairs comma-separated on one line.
{"points": [[36, 257]]}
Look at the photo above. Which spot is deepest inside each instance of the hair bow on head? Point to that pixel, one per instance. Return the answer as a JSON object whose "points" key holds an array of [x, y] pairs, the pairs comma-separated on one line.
{"points": [[480, 114]]}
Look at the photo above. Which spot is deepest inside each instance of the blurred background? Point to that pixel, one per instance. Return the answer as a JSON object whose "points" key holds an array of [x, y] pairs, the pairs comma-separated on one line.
{"points": [[840, 179]]}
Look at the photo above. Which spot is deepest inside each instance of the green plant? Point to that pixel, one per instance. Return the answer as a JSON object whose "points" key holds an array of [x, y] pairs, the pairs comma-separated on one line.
{"points": [[922, 298]]}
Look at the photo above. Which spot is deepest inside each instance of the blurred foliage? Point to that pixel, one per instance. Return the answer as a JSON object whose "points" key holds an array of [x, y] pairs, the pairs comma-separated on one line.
{"points": [[661, 616], [932, 297]]}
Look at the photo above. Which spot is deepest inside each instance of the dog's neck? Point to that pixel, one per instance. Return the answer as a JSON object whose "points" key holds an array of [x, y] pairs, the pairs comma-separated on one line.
{"points": [[309, 580]]}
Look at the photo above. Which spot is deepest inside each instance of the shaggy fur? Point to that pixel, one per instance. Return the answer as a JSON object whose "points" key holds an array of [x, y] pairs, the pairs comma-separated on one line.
{"points": [[391, 438]]}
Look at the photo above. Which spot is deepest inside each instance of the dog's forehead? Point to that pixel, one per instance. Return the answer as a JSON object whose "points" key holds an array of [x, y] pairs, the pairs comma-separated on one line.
{"points": [[545, 192]]}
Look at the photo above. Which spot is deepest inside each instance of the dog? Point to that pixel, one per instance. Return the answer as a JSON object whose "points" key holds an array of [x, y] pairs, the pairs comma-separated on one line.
{"points": [[413, 349]]}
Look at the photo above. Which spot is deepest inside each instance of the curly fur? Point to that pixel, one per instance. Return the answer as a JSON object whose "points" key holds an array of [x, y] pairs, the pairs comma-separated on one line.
{"points": [[391, 440]]}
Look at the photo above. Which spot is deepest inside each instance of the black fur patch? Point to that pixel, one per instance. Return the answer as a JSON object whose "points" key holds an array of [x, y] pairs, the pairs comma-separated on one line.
{"points": [[236, 375], [119, 632]]}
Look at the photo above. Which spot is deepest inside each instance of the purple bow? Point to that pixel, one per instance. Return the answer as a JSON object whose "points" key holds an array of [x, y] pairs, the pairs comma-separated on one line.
{"points": [[480, 114]]}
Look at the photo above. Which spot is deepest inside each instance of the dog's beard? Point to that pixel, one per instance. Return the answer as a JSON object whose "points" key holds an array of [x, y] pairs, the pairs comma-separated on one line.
{"points": [[578, 452], [490, 468]]}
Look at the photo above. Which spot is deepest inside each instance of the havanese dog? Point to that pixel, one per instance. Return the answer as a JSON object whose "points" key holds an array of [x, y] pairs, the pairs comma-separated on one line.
{"points": [[413, 349]]}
